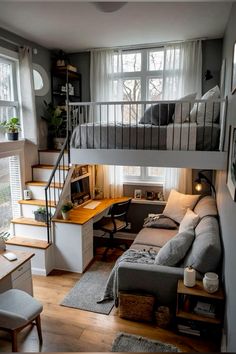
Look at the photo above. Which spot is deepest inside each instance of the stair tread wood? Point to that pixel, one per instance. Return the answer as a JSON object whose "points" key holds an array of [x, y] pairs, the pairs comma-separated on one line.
{"points": [[43, 184], [50, 167], [28, 242], [28, 221], [38, 202]]}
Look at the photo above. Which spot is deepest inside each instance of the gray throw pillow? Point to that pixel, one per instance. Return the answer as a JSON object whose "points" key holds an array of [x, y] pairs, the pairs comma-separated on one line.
{"points": [[160, 222], [159, 114], [175, 249]]}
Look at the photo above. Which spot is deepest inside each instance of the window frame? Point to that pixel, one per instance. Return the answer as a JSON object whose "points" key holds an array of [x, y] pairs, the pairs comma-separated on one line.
{"points": [[143, 178]]}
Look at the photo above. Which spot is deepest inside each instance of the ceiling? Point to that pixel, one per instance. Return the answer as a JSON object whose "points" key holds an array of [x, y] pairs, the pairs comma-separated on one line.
{"points": [[75, 25]]}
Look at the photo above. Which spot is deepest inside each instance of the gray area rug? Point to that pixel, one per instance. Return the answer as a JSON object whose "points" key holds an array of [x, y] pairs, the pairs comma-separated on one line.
{"points": [[89, 289], [130, 343]]}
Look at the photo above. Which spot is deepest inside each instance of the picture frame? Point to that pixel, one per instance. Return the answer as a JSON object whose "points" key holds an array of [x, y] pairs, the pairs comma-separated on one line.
{"points": [[233, 85], [231, 168], [149, 195], [137, 194]]}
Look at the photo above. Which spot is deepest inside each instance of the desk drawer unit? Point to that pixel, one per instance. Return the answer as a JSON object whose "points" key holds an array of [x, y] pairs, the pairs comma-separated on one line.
{"points": [[21, 278]]}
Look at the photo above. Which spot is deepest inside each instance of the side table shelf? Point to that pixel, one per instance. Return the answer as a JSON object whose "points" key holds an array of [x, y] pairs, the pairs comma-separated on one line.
{"points": [[198, 311]]}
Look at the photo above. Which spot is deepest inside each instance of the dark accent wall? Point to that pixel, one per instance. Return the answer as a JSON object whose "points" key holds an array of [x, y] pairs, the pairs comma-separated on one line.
{"points": [[82, 62], [43, 58], [211, 60]]}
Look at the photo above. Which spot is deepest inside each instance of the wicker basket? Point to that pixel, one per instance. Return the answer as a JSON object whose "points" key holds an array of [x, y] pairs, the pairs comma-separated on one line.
{"points": [[136, 306]]}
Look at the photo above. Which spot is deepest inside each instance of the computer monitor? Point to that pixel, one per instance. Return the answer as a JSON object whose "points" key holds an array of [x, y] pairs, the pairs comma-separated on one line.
{"points": [[80, 191]]}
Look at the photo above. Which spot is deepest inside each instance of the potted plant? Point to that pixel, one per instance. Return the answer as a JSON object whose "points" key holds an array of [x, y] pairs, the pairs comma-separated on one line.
{"points": [[4, 235], [65, 209], [41, 214], [12, 128], [54, 118]]}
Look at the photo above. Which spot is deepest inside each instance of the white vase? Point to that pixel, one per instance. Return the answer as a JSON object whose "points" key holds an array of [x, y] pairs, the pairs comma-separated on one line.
{"points": [[65, 215], [211, 282], [2, 244]]}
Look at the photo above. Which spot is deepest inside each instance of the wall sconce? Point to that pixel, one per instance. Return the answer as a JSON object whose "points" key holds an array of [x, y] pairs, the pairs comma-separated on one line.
{"points": [[208, 75], [202, 178]]}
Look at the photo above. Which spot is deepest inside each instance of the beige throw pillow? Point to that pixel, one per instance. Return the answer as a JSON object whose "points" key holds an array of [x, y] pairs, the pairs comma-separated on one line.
{"points": [[178, 203], [189, 221], [182, 110]]}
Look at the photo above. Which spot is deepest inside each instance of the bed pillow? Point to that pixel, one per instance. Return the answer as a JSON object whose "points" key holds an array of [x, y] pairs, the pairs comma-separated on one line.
{"points": [[175, 249], [189, 221], [160, 221], [159, 114], [178, 203], [205, 109], [182, 110]]}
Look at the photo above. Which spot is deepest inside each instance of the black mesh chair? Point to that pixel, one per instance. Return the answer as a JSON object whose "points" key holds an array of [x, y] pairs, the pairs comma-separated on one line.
{"points": [[114, 222]]}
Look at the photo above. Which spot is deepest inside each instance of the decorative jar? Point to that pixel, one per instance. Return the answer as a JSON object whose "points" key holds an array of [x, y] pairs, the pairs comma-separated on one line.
{"points": [[211, 282]]}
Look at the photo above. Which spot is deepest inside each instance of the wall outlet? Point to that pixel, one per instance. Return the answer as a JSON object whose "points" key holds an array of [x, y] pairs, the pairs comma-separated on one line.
{"points": [[128, 226]]}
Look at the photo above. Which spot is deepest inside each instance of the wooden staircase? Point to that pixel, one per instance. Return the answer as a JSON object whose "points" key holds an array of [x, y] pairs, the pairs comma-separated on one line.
{"points": [[27, 233]]}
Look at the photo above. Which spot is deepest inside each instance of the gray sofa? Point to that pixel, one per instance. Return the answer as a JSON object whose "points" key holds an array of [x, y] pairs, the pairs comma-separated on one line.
{"points": [[204, 255]]}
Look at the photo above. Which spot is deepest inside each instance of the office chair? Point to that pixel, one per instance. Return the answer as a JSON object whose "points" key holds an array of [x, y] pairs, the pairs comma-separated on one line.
{"points": [[114, 222]]}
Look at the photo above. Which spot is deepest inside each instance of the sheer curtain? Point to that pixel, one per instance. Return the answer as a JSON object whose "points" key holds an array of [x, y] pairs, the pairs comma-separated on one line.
{"points": [[182, 70], [179, 179], [104, 88]]}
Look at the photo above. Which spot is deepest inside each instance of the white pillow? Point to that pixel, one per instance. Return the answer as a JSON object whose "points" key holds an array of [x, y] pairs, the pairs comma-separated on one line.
{"points": [[178, 203], [205, 109], [182, 110], [175, 249], [189, 221]]}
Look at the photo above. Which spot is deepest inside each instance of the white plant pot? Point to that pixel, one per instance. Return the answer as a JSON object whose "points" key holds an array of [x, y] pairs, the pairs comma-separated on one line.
{"points": [[2, 245], [65, 215]]}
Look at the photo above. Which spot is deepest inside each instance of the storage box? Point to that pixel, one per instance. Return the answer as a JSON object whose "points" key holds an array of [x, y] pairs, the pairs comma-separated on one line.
{"points": [[136, 306]]}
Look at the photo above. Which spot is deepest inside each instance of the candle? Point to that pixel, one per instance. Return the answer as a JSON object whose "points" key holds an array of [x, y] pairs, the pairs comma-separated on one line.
{"points": [[189, 277]]}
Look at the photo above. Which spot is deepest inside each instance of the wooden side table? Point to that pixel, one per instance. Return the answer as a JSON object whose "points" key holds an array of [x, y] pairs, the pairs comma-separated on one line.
{"points": [[197, 310]]}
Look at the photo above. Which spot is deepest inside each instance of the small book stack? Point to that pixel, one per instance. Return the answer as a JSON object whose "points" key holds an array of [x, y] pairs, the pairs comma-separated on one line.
{"points": [[205, 309], [189, 328]]}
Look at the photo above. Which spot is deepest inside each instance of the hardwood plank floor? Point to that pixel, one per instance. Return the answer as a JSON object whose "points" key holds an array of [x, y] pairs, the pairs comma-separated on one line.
{"points": [[72, 330]]}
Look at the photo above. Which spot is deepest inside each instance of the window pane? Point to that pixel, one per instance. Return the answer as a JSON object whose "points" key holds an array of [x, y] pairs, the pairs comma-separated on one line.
{"points": [[38, 80], [131, 92], [5, 195], [131, 62], [5, 81], [156, 172], [155, 86], [5, 114], [132, 171], [156, 60]]}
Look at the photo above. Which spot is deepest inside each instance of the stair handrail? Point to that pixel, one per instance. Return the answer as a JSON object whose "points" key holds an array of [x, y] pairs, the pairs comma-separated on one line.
{"points": [[48, 200]]}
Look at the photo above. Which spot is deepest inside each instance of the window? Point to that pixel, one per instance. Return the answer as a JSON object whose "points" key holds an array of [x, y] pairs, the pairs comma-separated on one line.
{"points": [[9, 106], [143, 174]]}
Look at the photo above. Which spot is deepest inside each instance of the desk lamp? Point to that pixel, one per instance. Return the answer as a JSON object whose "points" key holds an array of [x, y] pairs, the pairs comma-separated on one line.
{"points": [[202, 178]]}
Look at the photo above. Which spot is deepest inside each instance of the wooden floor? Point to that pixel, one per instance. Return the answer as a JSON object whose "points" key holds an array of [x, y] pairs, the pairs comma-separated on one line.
{"points": [[72, 330]]}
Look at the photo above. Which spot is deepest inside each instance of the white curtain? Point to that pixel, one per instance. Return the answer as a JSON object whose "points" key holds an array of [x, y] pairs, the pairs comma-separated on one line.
{"points": [[182, 70], [27, 94], [109, 179], [179, 179]]}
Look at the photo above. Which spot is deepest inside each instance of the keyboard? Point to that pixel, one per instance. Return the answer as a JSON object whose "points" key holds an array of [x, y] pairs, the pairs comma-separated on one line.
{"points": [[92, 205]]}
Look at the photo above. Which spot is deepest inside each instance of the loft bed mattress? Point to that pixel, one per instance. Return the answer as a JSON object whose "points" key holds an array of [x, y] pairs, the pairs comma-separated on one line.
{"points": [[139, 137]]}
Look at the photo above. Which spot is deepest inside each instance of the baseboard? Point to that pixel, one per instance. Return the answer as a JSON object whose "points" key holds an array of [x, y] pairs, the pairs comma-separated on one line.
{"points": [[39, 271]]}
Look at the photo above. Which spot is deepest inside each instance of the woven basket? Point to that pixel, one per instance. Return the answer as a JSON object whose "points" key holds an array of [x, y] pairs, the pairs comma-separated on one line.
{"points": [[136, 306]]}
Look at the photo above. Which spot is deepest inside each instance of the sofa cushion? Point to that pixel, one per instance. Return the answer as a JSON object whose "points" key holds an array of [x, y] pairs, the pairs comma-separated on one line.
{"points": [[206, 207], [154, 237], [189, 221], [160, 221], [175, 249], [205, 253], [178, 203]]}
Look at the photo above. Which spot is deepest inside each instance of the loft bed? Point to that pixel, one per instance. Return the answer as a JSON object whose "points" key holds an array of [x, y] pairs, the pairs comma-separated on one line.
{"points": [[163, 133]]}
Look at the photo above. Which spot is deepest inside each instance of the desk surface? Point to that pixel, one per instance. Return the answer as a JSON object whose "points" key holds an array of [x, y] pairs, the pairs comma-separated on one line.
{"points": [[81, 215], [7, 267]]}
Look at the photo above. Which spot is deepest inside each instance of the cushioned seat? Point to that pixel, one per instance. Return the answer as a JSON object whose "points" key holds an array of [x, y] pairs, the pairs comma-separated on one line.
{"points": [[17, 310], [154, 237]]}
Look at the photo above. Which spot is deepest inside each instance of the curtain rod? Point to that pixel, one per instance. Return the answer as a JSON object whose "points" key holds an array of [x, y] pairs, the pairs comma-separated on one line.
{"points": [[9, 41]]}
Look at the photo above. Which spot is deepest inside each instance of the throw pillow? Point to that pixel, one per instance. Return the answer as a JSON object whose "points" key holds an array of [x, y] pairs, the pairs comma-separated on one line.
{"points": [[160, 222], [182, 110], [207, 112], [159, 114], [175, 249], [189, 221], [178, 203], [206, 207]]}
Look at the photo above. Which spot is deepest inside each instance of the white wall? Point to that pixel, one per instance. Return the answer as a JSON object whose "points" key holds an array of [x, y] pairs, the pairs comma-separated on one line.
{"points": [[226, 206]]}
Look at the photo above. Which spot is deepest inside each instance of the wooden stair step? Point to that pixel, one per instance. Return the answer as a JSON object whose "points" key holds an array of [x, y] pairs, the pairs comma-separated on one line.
{"points": [[28, 221], [39, 202], [51, 150], [43, 184], [28, 242], [50, 167]]}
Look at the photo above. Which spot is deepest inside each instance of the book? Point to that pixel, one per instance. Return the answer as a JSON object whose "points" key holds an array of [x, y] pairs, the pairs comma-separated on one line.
{"points": [[205, 309]]}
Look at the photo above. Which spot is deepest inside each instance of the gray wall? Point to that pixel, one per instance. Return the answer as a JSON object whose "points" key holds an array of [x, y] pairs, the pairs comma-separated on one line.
{"points": [[226, 206], [82, 62], [42, 58], [211, 60]]}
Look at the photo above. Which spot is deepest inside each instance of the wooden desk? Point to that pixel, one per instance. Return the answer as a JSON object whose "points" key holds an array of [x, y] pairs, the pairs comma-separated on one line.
{"points": [[73, 238], [16, 274]]}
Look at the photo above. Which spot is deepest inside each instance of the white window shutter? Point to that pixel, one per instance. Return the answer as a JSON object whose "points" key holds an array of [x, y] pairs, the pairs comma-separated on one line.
{"points": [[15, 184]]}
